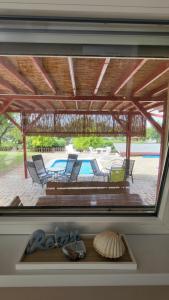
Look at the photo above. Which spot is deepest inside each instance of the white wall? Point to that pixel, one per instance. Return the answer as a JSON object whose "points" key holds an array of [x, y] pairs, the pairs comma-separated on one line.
{"points": [[89, 8]]}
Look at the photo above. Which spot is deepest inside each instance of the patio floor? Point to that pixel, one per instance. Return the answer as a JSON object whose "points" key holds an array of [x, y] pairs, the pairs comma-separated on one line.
{"points": [[145, 178]]}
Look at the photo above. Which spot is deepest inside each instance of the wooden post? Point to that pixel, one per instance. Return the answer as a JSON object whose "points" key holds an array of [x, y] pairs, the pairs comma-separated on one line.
{"points": [[24, 146], [25, 156], [128, 139]]}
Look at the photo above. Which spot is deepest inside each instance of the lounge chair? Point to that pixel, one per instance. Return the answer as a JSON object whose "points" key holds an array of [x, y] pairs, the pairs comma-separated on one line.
{"points": [[37, 178], [97, 171], [72, 177], [40, 166], [128, 165]]}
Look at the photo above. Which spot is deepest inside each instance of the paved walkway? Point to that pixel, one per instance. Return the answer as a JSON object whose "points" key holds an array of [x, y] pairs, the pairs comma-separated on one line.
{"points": [[145, 179]]}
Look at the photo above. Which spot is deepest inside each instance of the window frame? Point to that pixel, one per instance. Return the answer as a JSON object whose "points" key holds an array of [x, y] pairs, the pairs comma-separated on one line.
{"points": [[23, 41]]}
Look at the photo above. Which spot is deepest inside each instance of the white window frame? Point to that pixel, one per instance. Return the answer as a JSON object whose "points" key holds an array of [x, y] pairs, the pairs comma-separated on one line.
{"points": [[130, 225]]}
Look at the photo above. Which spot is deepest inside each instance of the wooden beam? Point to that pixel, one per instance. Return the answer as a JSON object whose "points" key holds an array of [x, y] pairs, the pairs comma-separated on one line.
{"points": [[128, 75], [12, 121], [148, 116], [9, 67], [102, 73], [78, 98], [72, 75], [5, 106], [38, 64], [161, 70], [79, 112]]}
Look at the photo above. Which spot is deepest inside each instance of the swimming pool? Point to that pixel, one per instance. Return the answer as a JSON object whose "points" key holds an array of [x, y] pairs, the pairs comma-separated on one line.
{"points": [[151, 156], [60, 164]]}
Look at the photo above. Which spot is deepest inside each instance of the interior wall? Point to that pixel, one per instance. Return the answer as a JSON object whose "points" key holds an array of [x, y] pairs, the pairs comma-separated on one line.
{"points": [[88, 8], [87, 293]]}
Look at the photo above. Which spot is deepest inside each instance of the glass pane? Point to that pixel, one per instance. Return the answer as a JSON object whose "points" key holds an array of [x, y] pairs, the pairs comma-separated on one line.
{"points": [[82, 132]]}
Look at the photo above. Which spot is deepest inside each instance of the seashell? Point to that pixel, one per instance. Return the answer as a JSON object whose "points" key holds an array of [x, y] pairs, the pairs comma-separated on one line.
{"points": [[109, 244]]}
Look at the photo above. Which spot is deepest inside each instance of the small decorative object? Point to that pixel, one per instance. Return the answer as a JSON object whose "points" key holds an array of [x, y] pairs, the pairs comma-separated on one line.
{"points": [[75, 251], [63, 237], [39, 241], [109, 244]]}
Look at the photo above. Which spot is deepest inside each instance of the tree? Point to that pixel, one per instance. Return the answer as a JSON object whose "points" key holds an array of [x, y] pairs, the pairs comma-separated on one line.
{"points": [[5, 126], [152, 134]]}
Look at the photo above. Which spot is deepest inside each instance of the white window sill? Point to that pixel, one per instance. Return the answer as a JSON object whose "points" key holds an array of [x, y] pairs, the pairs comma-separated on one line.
{"points": [[151, 253]]}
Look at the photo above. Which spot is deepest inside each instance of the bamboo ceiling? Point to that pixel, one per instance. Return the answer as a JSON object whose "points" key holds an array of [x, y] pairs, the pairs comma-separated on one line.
{"points": [[83, 85]]}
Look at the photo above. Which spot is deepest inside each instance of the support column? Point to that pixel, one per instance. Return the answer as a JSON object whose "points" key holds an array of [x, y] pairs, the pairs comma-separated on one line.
{"points": [[24, 146], [128, 139], [25, 156]]}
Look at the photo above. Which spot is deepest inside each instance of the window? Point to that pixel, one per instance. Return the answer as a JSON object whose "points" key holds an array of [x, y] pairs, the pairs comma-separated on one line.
{"points": [[105, 104]]}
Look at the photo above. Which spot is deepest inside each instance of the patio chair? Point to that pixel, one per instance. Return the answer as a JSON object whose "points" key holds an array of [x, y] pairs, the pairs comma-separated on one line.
{"points": [[69, 167], [36, 178], [128, 165], [72, 156], [40, 166], [96, 169], [72, 177]]}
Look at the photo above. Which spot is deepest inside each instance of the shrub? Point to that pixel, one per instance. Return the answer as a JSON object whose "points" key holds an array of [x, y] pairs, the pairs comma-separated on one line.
{"points": [[45, 141]]}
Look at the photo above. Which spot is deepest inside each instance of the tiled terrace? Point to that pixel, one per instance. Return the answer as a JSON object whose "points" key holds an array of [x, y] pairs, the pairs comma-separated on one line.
{"points": [[13, 182]]}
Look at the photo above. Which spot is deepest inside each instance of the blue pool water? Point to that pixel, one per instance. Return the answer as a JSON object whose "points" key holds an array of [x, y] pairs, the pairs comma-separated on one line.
{"points": [[86, 168], [151, 156]]}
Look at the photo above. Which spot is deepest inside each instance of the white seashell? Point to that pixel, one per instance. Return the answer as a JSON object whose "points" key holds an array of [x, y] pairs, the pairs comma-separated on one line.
{"points": [[109, 244]]}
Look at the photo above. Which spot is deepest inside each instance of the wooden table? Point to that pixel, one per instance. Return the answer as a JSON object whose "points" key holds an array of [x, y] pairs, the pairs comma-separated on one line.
{"points": [[91, 200]]}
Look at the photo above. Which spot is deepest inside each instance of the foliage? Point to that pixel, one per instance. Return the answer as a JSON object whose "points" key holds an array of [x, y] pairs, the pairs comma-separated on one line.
{"points": [[45, 141], [83, 143], [152, 134], [10, 135]]}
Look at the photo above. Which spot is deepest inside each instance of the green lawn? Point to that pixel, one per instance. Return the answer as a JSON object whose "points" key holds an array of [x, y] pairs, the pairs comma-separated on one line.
{"points": [[10, 160]]}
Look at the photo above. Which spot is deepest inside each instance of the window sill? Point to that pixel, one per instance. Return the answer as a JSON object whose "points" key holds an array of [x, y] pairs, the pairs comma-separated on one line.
{"points": [[151, 253]]}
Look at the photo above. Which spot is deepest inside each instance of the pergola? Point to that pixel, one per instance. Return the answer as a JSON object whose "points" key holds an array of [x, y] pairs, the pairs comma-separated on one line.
{"points": [[84, 95]]}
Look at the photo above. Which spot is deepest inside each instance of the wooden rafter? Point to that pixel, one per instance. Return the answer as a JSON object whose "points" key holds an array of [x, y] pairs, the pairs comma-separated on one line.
{"points": [[90, 105], [9, 67], [27, 105], [12, 121], [104, 105], [51, 105], [160, 90], [161, 70], [102, 73], [5, 84], [153, 105], [4, 107], [128, 75], [37, 62], [148, 116], [72, 75]]}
